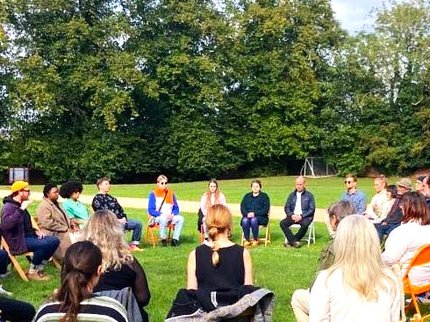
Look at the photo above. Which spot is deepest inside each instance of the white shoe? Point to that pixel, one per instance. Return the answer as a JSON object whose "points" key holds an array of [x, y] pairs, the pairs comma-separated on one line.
{"points": [[4, 292]]}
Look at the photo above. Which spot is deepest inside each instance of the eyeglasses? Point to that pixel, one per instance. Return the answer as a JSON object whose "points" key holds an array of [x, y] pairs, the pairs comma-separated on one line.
{"points": [[163, 183], [347, 181]]}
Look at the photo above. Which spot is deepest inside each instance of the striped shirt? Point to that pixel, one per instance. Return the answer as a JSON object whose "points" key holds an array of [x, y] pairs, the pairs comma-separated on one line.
{"points": [[96, 309]]}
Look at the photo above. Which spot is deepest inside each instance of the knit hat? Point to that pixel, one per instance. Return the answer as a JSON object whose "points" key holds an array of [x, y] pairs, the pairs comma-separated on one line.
{"points": [[405, 183], [18, 185]]}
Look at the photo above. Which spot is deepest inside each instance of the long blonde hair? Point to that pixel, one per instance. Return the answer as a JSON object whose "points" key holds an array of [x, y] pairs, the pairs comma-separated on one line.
{"points": [[358, 255], [218, 220], [105, 231]]}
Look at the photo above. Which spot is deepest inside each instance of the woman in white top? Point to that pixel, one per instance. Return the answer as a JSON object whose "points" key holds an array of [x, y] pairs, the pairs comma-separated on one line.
{"points": [[213, 196], [376, 205], [357, 287], [414, 232]]}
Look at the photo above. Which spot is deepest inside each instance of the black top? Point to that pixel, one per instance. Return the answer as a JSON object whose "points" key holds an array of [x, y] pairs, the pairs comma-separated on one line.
{"points": [[395, 215], [230, 272], [259, 205], [129, 275], [104, 201]]}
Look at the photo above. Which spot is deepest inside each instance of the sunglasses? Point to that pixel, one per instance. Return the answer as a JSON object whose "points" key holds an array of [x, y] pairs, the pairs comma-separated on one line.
{"points": [[348, 181], [163, 183], [26, 190]]}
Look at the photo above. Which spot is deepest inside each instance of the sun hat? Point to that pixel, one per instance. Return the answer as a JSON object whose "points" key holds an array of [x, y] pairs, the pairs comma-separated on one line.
{"points": [[18, 185], [405, 183]]}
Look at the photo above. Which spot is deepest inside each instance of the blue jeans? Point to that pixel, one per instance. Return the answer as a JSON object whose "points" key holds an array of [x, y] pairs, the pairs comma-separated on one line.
{"points": [[177, 220], [250, 224], [42, 248], [4, 261], [136, 227]]}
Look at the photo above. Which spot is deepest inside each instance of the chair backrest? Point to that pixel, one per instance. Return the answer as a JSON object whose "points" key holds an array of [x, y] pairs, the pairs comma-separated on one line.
{"points": [[421, 257]]}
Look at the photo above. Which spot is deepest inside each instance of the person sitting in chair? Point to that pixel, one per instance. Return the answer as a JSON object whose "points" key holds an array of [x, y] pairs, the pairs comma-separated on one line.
{"points": [[163, 207], [54, 220], [219, 272], [211, 197], [19, 233], [300, 209], [74, 300], [104, 201], [255, 207]]}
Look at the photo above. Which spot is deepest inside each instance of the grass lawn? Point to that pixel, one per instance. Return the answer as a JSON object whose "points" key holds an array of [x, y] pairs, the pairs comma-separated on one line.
{"points": [[325, 190], [275, 267]]}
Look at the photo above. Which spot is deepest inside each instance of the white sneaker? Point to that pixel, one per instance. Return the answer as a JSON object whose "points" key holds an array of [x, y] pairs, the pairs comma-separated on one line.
{"points": [[4, 292]]}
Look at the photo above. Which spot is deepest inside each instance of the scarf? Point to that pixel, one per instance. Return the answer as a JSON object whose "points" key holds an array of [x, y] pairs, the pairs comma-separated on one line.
{"points": [[159, 193]]}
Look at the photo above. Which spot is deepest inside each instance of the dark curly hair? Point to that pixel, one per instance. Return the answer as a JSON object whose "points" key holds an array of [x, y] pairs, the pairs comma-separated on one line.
{"points": [[68, 188]]}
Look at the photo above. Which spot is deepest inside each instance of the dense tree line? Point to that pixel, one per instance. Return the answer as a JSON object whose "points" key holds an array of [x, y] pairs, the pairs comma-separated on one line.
{"points": [[196, 88]]}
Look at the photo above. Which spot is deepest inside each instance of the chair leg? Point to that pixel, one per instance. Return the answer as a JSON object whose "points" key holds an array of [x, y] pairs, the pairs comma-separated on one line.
{"points": [[18, 268], [268, 235], [150, 236], [56, 263]]}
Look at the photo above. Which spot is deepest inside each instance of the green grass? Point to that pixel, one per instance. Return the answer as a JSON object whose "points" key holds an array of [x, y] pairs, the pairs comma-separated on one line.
{"points": [[275, 267], [325, 190]]}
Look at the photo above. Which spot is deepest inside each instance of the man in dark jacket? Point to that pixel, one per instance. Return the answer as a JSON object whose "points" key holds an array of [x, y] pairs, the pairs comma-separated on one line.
{"points": [[19, 233], [300, 209]]}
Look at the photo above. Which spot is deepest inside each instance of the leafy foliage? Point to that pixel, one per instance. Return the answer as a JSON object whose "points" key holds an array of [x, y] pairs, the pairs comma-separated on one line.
{"points": [[199, 89]]}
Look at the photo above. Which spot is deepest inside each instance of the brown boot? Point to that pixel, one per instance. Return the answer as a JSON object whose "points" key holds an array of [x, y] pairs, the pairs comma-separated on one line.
{"points": [[37, 276]]}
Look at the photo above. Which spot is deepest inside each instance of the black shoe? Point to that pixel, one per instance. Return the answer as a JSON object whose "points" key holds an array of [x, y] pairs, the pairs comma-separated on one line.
{"points": [[164, 242], [297, 244], [175, 242]]}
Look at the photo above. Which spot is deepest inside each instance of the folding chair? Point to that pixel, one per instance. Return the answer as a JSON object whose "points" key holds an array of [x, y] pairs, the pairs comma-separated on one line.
{"points": [[267, 234], [201, 235], [14, 260], [422, 257], [310, 234], [152, 231]]}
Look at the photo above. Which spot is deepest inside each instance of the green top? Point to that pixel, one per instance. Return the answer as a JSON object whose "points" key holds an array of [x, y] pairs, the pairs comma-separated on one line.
{"points": [[327, 256], [75, 209]]}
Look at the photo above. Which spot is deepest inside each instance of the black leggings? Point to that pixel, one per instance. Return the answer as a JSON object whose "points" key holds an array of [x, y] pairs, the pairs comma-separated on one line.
{"points": [[16, 311]]}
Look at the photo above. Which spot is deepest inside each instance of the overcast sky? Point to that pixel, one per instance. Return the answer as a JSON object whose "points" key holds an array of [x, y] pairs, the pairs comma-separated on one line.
{"points": [[355, 15]]}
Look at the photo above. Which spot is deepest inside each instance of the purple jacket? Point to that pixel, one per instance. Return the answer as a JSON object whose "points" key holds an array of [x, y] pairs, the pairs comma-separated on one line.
{"points": [[12, 225]]}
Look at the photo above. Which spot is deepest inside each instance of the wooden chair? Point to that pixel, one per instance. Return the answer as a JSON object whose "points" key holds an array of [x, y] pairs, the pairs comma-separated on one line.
{"points": [[152, 231], [14, 259], [422, 257], [201, 235], [267, 234], [28, 255], [310, 234]]}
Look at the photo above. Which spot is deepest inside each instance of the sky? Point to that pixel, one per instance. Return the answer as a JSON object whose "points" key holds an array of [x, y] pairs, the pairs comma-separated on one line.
{"points": [[355, 15]]}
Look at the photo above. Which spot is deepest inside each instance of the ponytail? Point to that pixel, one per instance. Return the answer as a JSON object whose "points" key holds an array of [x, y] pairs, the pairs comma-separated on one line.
{"points": [[213, 232], [73, 290]]}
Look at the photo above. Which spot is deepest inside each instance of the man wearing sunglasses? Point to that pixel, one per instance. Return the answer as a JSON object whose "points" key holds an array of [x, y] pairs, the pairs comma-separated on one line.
{"points": [[21, 235], [163, 207], [353, 195]]}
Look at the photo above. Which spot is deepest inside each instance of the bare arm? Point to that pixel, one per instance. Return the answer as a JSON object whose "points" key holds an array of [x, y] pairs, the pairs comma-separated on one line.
{"points": [[191, 272], [247, 261]]}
